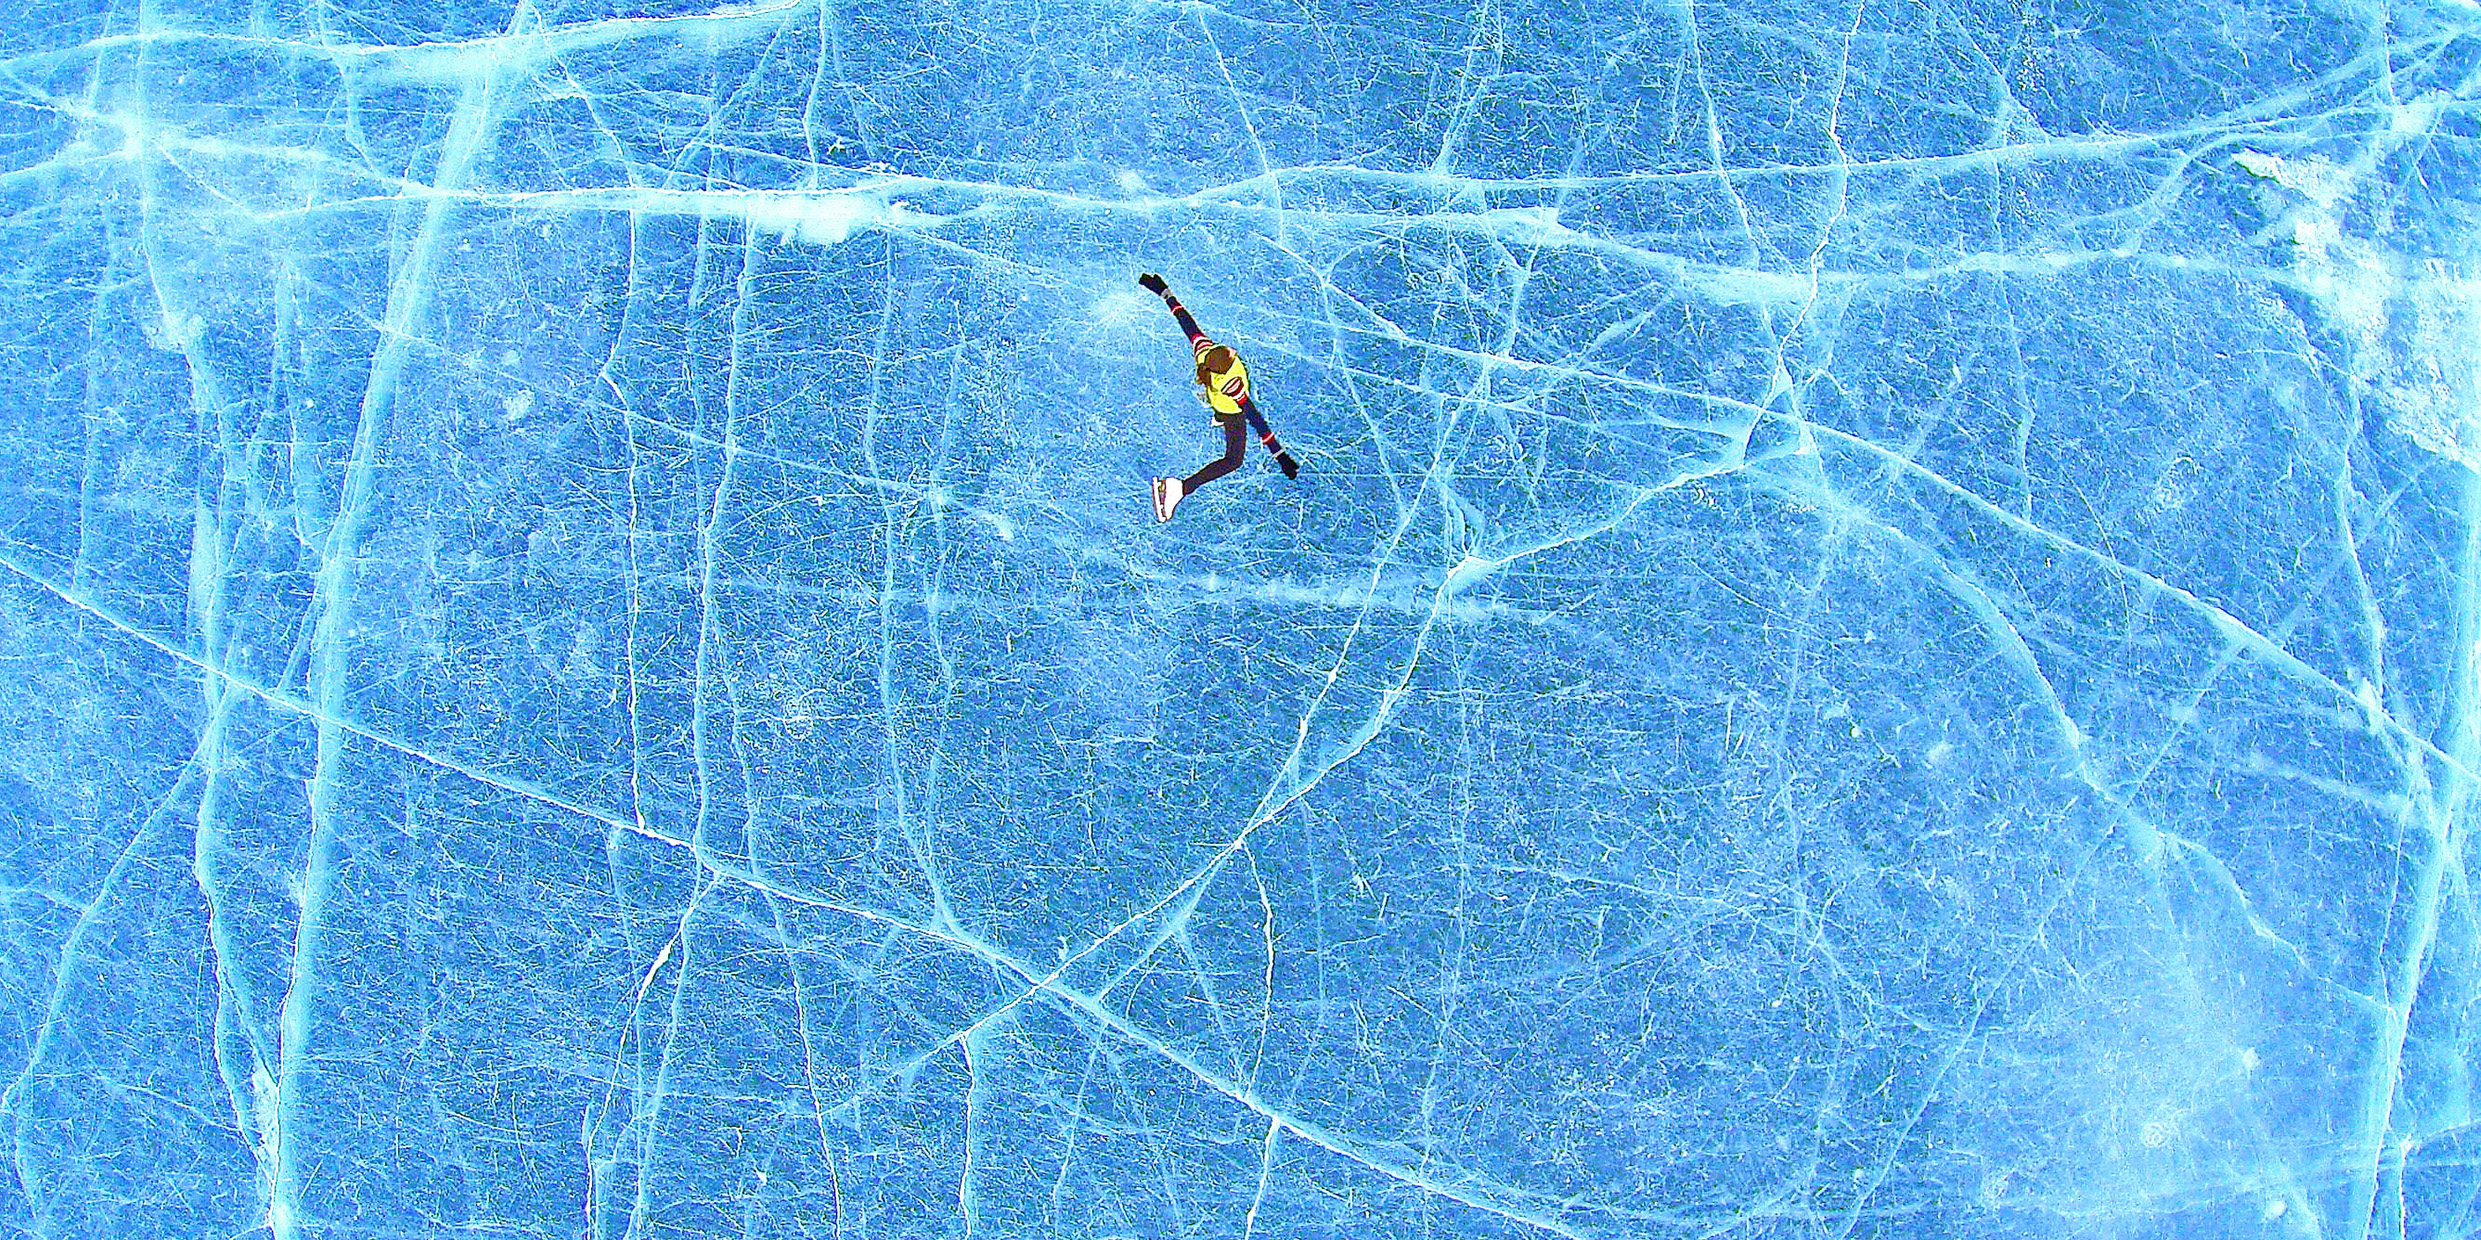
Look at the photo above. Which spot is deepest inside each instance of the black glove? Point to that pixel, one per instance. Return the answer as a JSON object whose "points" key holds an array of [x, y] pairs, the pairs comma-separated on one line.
{"points": [[1152, 283]]}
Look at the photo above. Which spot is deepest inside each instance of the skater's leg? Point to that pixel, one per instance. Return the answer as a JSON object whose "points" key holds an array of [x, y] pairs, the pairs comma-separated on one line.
{"points": [[1235, 441]]}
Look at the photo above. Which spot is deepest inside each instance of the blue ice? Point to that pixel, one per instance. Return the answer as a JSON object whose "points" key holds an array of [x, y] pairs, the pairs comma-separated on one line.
{"points": [[1879, 634]]}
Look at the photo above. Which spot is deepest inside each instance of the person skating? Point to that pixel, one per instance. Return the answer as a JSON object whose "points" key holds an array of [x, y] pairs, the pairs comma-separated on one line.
{"points": [[1225, 381]]}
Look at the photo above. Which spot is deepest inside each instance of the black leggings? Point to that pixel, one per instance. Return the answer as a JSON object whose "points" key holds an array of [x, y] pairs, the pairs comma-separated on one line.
{"points": [[1235, 438]]}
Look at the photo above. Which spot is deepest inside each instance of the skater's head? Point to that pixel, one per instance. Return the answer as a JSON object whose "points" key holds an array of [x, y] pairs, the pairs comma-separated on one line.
{"points": [[1213, 362]]}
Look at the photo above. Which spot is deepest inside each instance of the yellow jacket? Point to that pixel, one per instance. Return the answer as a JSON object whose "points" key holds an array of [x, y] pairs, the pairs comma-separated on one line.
{"points": [[1225, 390]]}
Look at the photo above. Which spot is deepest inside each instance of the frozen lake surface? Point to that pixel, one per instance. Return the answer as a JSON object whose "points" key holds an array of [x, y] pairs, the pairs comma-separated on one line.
{"points": [[1879, 635]]}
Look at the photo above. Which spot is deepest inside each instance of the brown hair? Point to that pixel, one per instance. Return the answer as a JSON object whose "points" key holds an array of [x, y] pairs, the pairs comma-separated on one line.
{"points": [[1215, 361]]}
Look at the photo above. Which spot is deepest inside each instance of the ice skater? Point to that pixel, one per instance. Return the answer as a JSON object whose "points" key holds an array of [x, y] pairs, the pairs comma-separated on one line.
{"points": [[1226, 384]]}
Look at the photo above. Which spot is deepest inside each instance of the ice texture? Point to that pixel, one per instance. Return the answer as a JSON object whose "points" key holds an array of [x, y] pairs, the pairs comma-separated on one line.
{"points": [[1879, 637]]}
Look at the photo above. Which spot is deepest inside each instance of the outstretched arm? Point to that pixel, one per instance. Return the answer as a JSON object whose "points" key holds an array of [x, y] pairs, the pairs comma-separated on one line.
{"points": [[1154, 284], [1249, 410]]}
